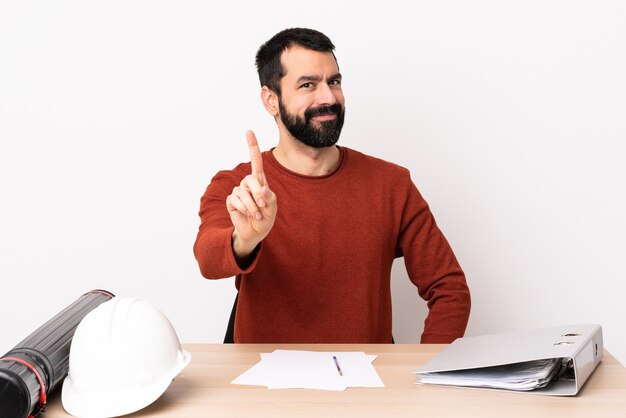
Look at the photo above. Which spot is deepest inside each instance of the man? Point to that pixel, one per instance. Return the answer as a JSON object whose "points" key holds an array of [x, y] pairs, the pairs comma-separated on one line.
{"points": [[311, 229]]}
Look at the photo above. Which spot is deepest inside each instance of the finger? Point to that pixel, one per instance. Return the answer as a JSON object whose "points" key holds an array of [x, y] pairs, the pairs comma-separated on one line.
{"points": [[270, 208], [252, 184], [233, 204], [255, 157], [246, 198]]}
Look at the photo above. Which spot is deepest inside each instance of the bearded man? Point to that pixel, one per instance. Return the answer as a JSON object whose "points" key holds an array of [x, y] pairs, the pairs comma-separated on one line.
{"points": [[310, 229]]}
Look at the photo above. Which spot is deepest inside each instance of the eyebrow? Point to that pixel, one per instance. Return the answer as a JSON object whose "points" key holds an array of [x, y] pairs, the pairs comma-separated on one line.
{"points": [[308, 78]]}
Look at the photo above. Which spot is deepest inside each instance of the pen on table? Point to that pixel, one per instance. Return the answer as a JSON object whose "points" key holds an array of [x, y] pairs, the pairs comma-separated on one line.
{"points": [[337, 364]]}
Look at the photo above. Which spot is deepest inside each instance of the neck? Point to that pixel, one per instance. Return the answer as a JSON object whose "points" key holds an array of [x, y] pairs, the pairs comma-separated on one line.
{"points": [[303, 159]]}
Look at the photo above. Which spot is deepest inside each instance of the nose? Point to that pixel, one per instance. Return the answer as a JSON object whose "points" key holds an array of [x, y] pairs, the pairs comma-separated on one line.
{"points": [[325, 95]]}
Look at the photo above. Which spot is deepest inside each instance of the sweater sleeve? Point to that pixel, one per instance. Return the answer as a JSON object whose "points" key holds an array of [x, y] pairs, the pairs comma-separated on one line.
{"points": [[213, 247], [434, 269]]}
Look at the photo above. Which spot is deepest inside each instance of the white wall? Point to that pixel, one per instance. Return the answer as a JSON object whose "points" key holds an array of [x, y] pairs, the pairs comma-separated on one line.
{"points": [[510, 115]]}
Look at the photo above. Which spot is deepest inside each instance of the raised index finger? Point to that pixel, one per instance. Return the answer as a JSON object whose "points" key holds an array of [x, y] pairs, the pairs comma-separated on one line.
{"points": [[255, 157]]}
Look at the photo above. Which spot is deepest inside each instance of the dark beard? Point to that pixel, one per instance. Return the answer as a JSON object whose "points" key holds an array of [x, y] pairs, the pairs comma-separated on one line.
{"points": [[302, 129]]}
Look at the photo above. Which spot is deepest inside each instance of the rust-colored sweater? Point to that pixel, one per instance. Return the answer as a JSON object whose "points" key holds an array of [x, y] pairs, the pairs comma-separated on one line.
{"points": [[322, 275]]}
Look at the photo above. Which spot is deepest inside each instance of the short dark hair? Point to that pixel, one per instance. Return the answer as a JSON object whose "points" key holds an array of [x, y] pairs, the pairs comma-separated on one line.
{"points": [[268, 56]]}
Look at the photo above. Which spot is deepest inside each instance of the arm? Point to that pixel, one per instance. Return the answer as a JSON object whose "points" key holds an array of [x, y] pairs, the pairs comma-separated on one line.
{"points": [[237, 212], [434, 269], [213, 248]]}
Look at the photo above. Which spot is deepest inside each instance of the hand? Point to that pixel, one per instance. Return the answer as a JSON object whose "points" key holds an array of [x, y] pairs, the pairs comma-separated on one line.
{"points": [[251, 205]]}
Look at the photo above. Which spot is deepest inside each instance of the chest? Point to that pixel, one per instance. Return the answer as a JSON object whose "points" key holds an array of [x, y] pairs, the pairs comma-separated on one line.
{"points": [[345, 219]]}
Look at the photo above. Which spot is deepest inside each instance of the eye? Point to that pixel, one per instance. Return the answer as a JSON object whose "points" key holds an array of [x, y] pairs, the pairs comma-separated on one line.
{"points": [[334, 82], [307, 85]]}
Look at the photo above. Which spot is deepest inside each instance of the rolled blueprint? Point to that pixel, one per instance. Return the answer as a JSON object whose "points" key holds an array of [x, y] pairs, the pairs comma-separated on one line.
{"points": [[38, 364]]}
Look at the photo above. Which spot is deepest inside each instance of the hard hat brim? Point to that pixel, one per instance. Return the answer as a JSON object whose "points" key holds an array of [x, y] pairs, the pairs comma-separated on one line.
{"points": [[111, 402]]}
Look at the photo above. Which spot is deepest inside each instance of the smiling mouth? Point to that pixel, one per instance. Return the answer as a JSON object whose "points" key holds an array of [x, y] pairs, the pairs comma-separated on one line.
{"points": [[326, 117]]}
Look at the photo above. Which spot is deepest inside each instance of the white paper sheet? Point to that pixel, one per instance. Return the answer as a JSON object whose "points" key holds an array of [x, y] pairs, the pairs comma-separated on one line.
{"points": [[523, 376], [286, 369]]}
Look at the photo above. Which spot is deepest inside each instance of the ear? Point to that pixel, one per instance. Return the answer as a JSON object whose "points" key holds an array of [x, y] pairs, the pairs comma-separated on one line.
{"points": [[270, 101]]}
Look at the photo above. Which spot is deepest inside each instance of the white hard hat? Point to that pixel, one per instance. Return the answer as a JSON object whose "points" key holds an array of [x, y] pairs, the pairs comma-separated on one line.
{"points": [[124, 355]]}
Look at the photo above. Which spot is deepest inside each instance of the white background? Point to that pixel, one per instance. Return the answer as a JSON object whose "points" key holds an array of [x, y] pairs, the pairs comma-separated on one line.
{"points": [[114, 116]]}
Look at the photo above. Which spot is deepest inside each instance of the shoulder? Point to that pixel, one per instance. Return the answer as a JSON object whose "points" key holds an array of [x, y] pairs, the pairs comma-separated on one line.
{"points": [[224, 180], [378, 167], [235, 174]]}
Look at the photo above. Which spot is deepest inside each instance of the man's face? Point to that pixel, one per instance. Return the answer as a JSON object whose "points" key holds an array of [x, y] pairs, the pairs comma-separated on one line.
{"points": [[311, 104]]}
